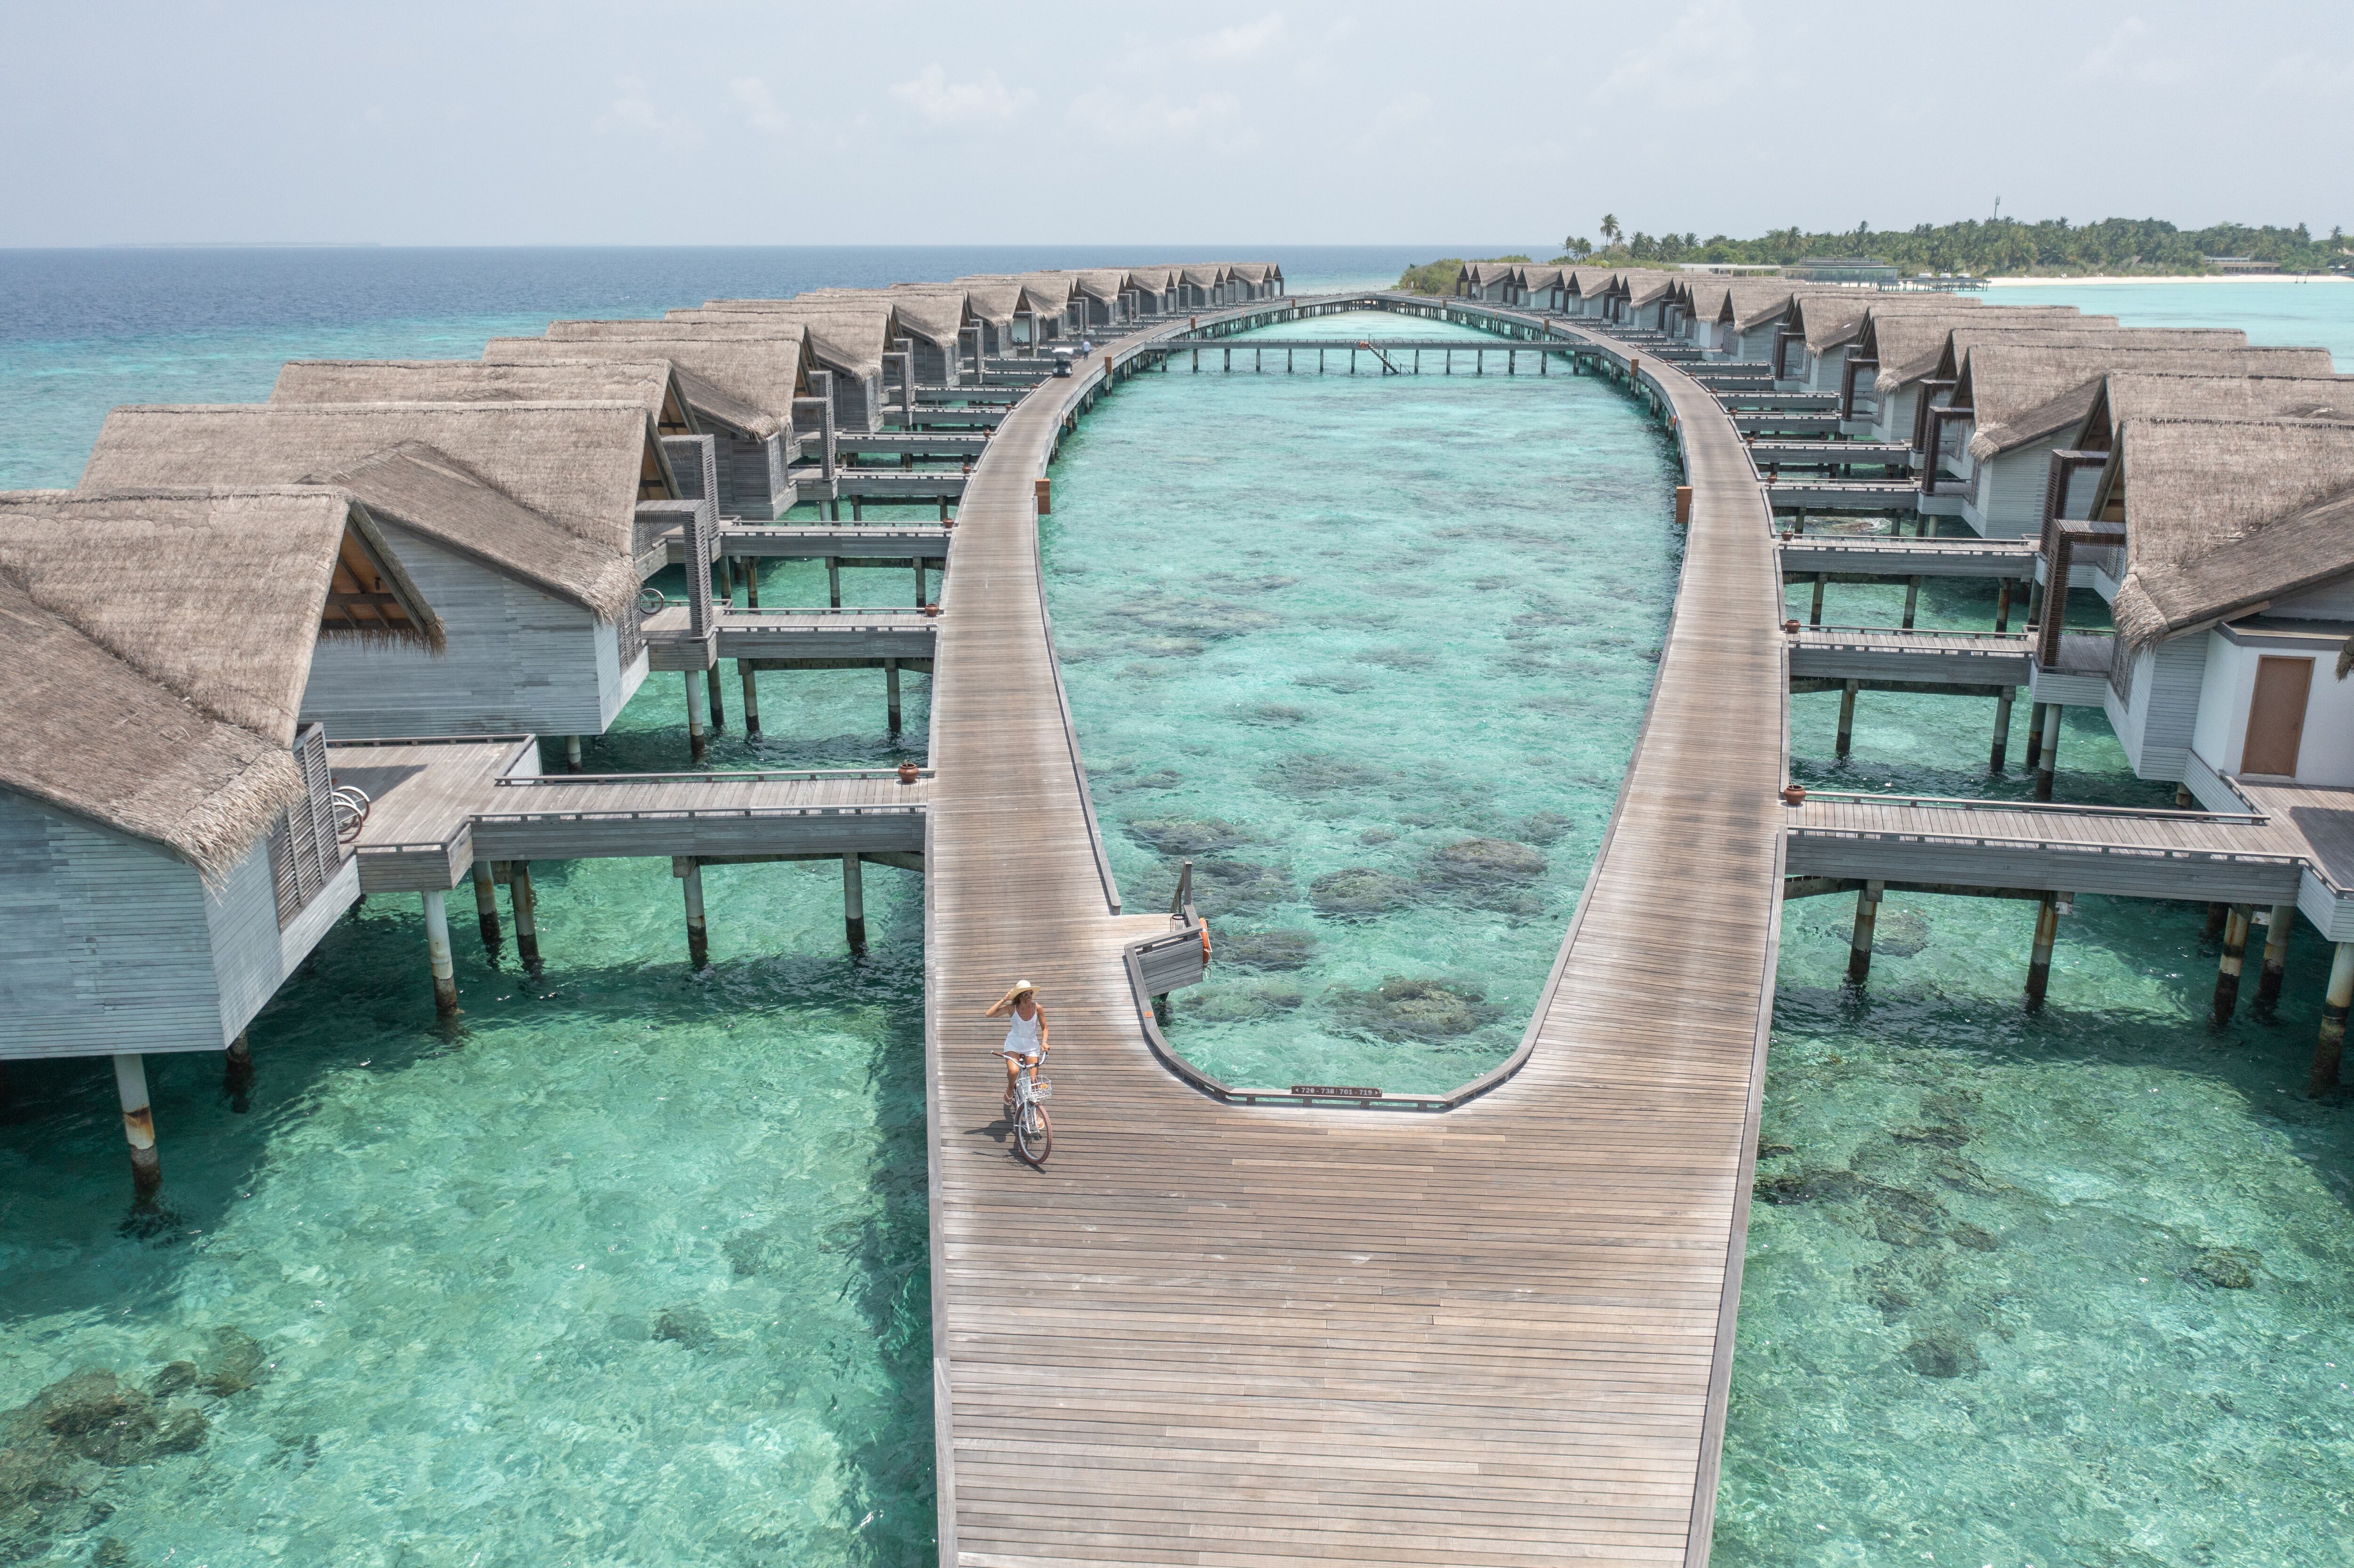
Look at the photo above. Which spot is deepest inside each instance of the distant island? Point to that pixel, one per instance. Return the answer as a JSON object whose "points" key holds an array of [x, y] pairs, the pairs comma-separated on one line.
{"points": [[1998, 247]]}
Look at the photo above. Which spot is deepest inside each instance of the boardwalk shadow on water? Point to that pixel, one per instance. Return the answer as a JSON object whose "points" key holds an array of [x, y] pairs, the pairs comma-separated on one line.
{"points": [[630, 1258], [2056, 1288]]}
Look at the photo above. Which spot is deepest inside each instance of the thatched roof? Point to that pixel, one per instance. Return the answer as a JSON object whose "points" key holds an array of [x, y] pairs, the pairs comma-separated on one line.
{"points": [[1706, 297], [719, 352], [1537, 279], [1829, 320], [1590, 281], [1908, 345], [1255, 273], [1641, 287], [2018, 393], [1104, 283], [2136, 394], [933, 313], [2223, 516], [543, 493], [742, 384], [995, 300], [158, 693], [648, 382]]}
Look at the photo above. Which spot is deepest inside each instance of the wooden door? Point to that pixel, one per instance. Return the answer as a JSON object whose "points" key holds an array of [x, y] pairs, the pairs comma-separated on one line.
{"points": [[2276, 715]]}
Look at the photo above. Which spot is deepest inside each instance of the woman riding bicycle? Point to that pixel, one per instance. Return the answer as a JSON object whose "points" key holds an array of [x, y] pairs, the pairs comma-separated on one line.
{"points": [[1025, 1038]]}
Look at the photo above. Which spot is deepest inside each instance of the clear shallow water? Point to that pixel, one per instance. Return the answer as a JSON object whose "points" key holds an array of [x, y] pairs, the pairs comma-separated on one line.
{"points": [[1372, 652], [631, 1268]]}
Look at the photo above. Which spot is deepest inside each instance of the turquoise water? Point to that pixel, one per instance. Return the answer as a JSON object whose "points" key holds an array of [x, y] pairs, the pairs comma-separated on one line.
{"points": [[631, 1268], [2293, 315], [1371, 653]]}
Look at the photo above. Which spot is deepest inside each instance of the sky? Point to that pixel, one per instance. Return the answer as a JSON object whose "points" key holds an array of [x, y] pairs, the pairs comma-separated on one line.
{"points": [[499, 122]]}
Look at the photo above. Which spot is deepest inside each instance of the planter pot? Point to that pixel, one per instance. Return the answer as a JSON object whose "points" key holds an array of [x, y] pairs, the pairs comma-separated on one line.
{"points": [[1793, 795]]}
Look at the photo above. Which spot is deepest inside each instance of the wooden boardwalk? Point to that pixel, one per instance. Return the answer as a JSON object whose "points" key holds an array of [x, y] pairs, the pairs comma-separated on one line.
{"points": [[437, 806], [1217, 1334]]}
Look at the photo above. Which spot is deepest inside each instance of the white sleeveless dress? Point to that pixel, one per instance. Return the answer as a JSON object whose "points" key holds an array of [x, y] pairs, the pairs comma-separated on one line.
{"points": [[1021, 1039]]}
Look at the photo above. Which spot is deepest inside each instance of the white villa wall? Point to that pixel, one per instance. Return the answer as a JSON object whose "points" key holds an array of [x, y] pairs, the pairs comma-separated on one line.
{"points": [[517, 660]]}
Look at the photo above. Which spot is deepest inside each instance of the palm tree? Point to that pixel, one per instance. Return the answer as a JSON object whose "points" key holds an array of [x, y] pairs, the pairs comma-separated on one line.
{"points": [[1610, 229]]}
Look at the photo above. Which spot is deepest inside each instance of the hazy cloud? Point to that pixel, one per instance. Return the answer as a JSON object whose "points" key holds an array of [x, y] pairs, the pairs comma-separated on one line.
{"points": [[943, 102], [1702, 58], [1244, 41], [635, 114], [1213, 120], [758, 106], [2127, 55]]}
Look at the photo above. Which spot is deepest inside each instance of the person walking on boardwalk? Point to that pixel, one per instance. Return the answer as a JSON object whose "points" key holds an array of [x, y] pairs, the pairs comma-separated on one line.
{"points": [[1025, 1038]]}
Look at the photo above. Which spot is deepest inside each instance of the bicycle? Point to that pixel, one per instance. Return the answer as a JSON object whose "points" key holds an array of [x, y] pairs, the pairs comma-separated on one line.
{"points": [[1033, 1129]]}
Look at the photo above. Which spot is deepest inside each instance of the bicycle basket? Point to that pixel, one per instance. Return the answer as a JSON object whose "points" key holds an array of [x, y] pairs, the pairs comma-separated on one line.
{"points": [[1042, 1090]]}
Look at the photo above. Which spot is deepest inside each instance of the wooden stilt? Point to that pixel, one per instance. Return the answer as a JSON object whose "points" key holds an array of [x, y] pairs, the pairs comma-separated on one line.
{"points": [[2334, 1007], [750, 674], [2039, 963], [2034, 734], [1846, 718], [1866, 912], [2048, 766], [437, 951], [139, 1128], [486, 909], [525, 905], [2184, 800], [572, 754], [1815, 611], [2278, 924], [727, 581], [697, 742], [858, 509], [2234, 958], [751, 582], [890, 693], [853, 904], [1912, 600], [2002, 607], [689, 870], [2215, 916], [718, 704], [833, 581], [237, 1066], [919, 582], [2001, 730]]}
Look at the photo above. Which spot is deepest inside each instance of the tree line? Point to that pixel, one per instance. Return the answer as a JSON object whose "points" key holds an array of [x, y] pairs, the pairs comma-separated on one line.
{"points": [[1987, 249]]}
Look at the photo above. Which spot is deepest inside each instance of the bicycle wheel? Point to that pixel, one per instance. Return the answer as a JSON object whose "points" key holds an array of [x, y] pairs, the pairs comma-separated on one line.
{"points": [[1033, 1132]]}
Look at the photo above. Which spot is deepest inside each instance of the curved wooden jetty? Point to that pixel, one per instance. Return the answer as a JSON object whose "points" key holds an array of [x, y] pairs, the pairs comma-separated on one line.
{"points": [[1214, 1333]]}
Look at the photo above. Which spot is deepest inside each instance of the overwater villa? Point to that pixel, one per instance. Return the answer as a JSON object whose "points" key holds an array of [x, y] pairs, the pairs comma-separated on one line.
{"points": [[171, 864], [1933, 386], [529, 527], [2226, 548], [741, 391], [853, 342], [1881, 383], [2015, 404]]}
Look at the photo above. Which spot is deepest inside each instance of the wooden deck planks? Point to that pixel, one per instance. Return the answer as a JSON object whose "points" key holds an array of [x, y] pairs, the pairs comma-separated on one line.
{"points": [[1221, 1334]]}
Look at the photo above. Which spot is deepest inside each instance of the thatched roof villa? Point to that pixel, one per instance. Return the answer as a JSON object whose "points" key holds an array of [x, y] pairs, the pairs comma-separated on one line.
{"points": [[164, 799], [520, 522], [2015, 404], [2233, 596]]}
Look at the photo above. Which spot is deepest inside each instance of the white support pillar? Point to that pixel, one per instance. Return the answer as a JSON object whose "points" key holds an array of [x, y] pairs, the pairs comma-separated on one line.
{"points": [[437, 948], [138, 1128]]}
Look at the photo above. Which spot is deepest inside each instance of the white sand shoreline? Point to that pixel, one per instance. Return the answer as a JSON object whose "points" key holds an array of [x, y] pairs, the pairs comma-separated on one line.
{"points": [[2233, 278]]}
